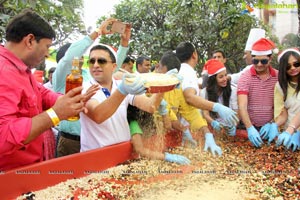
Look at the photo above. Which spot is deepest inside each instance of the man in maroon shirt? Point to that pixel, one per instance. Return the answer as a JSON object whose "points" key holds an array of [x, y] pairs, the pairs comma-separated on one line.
{"points": [[256, 90]]}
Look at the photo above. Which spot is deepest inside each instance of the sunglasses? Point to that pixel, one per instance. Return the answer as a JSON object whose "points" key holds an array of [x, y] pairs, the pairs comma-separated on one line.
{"points": [[100, 61], [262, 61], [295, 64]]}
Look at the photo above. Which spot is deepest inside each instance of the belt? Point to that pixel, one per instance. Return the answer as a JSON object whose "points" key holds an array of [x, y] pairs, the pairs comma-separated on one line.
{"points": [[69, 136]]}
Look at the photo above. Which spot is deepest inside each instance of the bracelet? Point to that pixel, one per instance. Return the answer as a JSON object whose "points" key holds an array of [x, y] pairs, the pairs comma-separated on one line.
{"points": [[54, 118], [292, 126]]}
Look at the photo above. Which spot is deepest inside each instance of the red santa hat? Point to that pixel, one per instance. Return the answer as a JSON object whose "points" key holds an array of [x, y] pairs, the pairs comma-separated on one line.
{"points": [[213, 67], [287, 50], [262, 47]]}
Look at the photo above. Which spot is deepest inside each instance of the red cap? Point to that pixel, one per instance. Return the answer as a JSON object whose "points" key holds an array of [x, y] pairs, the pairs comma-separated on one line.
{"points": [[262, 47], [213, 67]]}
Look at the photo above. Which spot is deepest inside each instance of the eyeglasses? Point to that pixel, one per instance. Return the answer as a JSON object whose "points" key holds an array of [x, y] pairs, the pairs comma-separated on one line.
{"points": [[100, 61], [262, 61], [295, 64]]}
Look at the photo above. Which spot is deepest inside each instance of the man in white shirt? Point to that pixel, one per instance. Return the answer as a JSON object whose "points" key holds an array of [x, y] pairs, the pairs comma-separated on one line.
{"points": [[106, 121]]}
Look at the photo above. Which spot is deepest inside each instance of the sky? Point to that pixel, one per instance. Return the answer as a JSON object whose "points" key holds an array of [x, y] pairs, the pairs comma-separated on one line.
{"points": [[93, 9]]}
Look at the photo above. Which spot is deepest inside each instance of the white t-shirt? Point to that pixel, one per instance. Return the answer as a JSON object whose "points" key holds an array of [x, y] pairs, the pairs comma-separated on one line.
{"points": [[190, 79], [112, 131], [236, 76], [48, 85]]}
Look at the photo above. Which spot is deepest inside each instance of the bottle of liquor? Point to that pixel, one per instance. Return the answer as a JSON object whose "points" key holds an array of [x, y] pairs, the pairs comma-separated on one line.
{"points": [[74, 80]]}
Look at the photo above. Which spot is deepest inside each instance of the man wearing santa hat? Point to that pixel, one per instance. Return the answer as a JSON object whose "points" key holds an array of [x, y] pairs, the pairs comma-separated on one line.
{"points": [[254, 35], [256, 90]]}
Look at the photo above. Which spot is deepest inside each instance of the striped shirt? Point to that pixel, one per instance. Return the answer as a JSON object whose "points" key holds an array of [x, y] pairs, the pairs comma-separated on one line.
{"points": [[260, 95]]}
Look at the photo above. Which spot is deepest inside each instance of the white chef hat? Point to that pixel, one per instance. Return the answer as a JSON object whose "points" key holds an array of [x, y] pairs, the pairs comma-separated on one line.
{"points": [[254, 35]]}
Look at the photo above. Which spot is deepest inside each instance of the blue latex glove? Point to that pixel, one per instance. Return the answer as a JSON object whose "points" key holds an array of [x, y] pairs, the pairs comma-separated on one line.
{"points": [[216, 125], [177, 159], [187, 136], [231, 130], [264, 131], [174, 72], [254, 137], [269, 132], [294, 142], [210, 143], [134, 86], [227, 114], [283, 138], [162, 109]]}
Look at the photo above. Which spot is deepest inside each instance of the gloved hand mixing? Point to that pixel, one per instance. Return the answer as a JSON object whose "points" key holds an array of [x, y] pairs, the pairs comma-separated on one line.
{"points": [[162, 109], [227, 114], [254, 137], [210, 143], [294, 142], [177, 159], [269, 132], [187, 136]]}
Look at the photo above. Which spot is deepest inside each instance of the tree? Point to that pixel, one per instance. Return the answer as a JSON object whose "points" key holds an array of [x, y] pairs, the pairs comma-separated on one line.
{"points": [[159, 25], [65, 16]]}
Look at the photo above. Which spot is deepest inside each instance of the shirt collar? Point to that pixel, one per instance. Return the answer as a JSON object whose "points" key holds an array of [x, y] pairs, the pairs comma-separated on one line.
{"points": [[17, 62], [271, 70], [187, 66]]}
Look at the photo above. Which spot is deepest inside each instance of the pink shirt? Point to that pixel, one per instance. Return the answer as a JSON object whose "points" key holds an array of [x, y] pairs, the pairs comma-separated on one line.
{"points": [[21, 98], [260, 95]]}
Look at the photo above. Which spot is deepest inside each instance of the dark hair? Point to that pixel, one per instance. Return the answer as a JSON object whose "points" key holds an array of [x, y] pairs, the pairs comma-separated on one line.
{"points": [[141, 59], [184, 51], [170, 60], [283, 78], [128, 59], [212, 89], [102, 47], [51, 70], [61, 52], [219, 51], [28, 22], [256, 55]]}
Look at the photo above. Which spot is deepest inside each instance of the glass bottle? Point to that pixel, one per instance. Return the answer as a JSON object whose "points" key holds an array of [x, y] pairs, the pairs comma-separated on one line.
{"points": [[74, 80]]}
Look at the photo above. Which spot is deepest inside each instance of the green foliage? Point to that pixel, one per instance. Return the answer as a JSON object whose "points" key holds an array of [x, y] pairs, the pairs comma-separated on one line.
{"points": [[291, 40], [64, 15], [160, 25]]}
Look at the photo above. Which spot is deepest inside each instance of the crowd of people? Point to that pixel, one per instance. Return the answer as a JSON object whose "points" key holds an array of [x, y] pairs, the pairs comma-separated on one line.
{"points": [[262, 100]]}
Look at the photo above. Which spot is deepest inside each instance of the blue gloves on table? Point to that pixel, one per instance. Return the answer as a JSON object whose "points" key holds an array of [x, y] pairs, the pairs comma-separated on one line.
{"points": [[227, 114], [254, 136], [174, 72], [269, 132], [187, 136], [136, 86], [294, 142], [162, 109], [216, 125], [177, 159], [210, 143], [284, 138]]}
